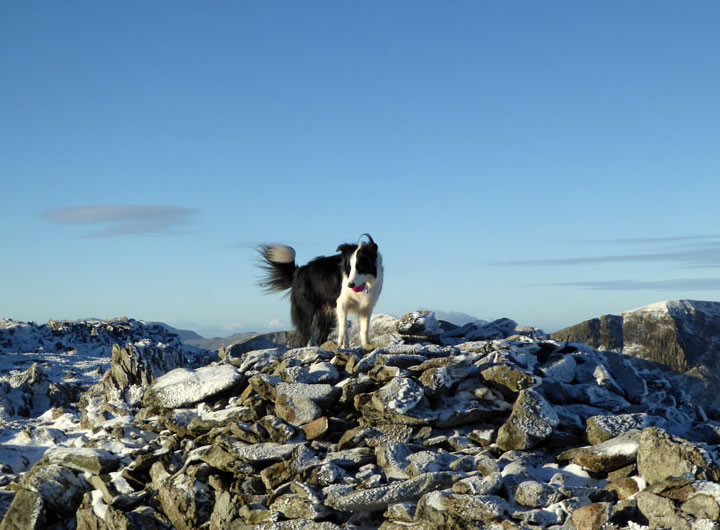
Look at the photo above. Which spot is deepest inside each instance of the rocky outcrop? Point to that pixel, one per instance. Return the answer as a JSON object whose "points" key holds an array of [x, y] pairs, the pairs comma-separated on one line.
{"points": [[450, 431], [682, 335]]}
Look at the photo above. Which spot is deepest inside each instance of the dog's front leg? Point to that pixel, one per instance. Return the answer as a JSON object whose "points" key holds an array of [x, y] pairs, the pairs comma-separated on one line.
{"points": [[343, 341], [365, 330]]}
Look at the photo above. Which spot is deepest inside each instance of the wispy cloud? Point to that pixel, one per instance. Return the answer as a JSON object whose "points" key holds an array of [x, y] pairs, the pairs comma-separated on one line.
{"points": [[682, 252], [680, 284], [688, 251], [120, 220], [652, 240]]}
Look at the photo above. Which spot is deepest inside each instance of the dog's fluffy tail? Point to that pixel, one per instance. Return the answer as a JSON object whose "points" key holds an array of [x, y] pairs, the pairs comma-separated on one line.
{"points": [[278, 261]]}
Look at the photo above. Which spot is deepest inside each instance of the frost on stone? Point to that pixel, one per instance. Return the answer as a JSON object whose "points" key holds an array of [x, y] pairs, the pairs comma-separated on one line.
{"points": [[601, 428], [401, 394], [182, 387], [532, 420]]}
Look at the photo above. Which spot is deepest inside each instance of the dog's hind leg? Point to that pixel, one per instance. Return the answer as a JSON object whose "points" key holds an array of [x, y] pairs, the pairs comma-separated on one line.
{"points": [[324, 324], [302, 319]]}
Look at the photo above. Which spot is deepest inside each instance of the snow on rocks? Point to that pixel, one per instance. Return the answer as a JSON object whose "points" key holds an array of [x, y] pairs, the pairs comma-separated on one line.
{"points": [[181, 387], [484, 426]]}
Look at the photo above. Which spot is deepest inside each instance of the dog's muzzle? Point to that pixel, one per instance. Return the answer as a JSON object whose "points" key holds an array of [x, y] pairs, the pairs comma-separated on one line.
{"points": [[356, 288]]}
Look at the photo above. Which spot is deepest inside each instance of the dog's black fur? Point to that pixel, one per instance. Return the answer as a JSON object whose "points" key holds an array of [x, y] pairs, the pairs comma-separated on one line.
{"points": [[315, 288]]}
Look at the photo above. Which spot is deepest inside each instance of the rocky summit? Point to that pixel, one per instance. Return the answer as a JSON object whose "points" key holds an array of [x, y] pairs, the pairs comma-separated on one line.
{"points": [[683, 335], [482, 426]]}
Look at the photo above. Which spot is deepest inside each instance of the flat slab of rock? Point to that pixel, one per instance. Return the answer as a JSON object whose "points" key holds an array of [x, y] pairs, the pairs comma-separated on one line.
{"points": [[378, 499], [300, 403], [96, 461], [606, 456], [182, 387]]}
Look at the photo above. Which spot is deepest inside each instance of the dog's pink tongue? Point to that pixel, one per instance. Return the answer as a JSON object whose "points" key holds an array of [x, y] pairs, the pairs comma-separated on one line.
{"points": [[359, 288]]}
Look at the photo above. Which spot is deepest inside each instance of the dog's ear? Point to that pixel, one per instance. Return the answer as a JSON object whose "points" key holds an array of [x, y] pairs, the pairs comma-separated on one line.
{"points": [[371, 242], [346, 248]]}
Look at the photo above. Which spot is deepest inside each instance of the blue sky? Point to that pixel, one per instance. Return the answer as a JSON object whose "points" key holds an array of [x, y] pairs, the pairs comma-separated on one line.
{"points": [[545, 161]]}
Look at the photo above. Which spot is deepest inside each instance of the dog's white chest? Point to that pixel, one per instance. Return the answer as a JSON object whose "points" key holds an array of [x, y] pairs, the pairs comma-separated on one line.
{"points": [[364, 300]]}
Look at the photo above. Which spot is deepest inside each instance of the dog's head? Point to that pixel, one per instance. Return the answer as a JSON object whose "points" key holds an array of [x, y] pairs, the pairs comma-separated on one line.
{"points": [[360, 263]]}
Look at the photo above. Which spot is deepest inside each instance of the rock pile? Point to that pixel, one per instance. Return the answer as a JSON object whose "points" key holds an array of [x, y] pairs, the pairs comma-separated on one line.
{"points": [[474, 427]]}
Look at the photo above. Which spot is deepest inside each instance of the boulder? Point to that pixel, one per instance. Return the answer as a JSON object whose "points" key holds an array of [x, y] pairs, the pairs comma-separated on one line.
{"points": [[532, 421], [186, 501], [378, 499], [300, 403], [661, 455], [83, 459], [182, 387]]}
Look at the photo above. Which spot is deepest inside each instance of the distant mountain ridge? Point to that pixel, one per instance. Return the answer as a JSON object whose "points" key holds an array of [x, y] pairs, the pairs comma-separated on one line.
{"points": [[191, 338], [683, 335]]}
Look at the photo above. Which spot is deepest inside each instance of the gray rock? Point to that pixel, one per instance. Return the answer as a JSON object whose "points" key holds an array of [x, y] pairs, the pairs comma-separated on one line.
{"points": [[139, 365], [532, 420], [216, 419], [187, 502], [479, 485], [661, 455], [560, 368], [419, 323], [702, 506], [534, 494], [395, 403], [592, 516], [606, 456], [263, 452], [95, 461], [445, 509], [256, 360], [603, 428], [294, 506], [508, 379], [61, 491], [597, 396], [378, 499], [392, 457], [182, 387], [401, 511], [626, 375], [660, 512], [299, 403], [26, 512], [441, 376], [322, 372], [351, 458], [421, 462]]}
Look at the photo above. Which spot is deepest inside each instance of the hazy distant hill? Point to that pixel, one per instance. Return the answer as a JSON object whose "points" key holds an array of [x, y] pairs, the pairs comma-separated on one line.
{"points": [[194, 339]]}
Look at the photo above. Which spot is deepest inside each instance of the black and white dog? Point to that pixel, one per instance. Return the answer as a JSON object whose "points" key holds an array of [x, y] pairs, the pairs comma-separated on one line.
{"points": [[327, 289]]}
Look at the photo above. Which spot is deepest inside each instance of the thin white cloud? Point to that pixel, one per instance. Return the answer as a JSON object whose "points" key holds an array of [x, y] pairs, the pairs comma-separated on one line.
{"points": [[119, 220], [680, 284], [694, 252], [651, 240]]}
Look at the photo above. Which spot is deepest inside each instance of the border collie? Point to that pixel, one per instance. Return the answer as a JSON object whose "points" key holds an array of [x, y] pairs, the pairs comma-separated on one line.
{"points": [[327, 288]]}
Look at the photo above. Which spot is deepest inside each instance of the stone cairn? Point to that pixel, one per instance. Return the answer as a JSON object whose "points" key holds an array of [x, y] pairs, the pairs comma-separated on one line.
{"points": [[481, 426]]}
